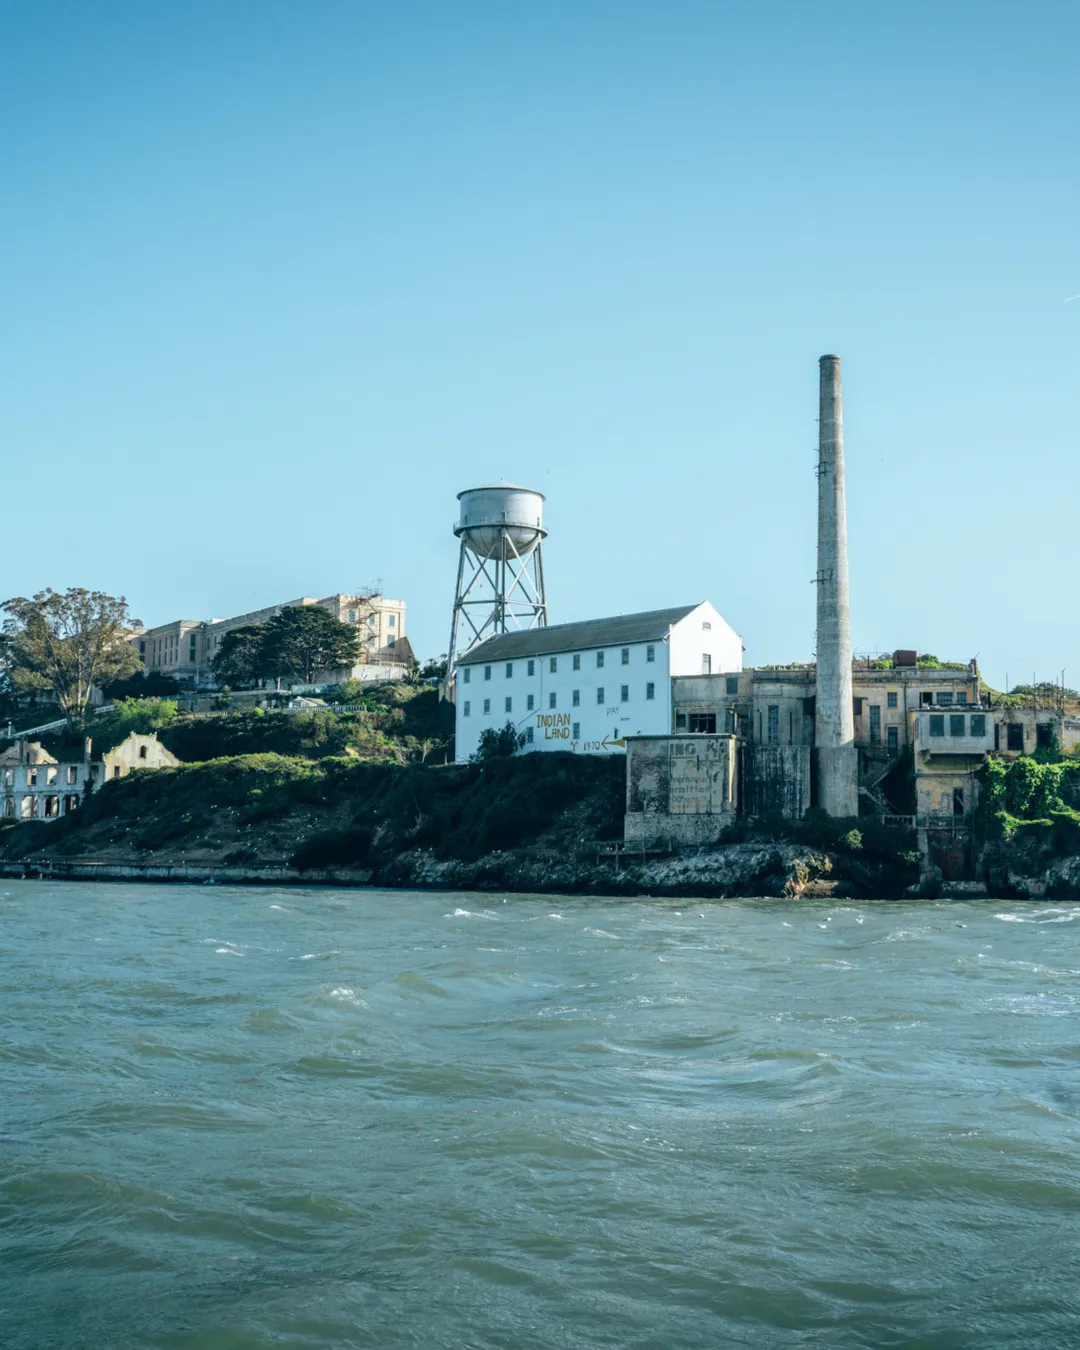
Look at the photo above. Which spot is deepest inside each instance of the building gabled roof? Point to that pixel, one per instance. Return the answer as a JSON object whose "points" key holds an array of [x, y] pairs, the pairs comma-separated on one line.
{"points": [[620, 630]]}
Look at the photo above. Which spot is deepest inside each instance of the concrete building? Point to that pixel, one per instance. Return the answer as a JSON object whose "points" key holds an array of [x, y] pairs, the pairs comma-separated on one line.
{"points": [[681, 789], [35, 786], [185, 648], [585, 687]]}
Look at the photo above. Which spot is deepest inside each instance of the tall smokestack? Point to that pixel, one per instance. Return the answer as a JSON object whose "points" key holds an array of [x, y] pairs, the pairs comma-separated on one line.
{"points": [[834, 720]]}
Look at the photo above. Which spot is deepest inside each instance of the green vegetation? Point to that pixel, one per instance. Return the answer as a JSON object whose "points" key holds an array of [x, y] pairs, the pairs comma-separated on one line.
{"points": [[1027, 817], [928, 661], [502, 743], [66, 642], [344, 811], [296, 644]]}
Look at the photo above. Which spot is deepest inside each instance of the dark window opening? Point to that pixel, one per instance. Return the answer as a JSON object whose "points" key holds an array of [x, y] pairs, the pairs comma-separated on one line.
{"points": [[858, 706], [956, 724], [1016, 736], [875, 725], [958, 801], [892, 735], [1044, 736], [978, 724], [927, 700], [774, 724], [703, 724], [937, 724]]}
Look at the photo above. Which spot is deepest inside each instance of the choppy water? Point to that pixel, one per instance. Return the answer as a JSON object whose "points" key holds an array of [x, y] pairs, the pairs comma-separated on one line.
{"points": [[234, 1119]]}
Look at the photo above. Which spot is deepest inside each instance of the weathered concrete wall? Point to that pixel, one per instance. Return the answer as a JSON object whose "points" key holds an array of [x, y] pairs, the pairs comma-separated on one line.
{"points": [[680, 788], [777, 780]]}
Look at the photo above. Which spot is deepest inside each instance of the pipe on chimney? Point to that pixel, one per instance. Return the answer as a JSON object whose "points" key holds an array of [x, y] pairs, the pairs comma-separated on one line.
{"points": [[834, 716]]}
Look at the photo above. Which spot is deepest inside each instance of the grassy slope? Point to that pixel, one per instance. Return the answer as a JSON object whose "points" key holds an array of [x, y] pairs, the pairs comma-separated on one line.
{"points": [[340, 811]]}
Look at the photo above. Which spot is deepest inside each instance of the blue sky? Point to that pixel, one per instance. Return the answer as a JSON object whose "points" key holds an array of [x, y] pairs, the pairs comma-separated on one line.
{"points": [[280, 279]]}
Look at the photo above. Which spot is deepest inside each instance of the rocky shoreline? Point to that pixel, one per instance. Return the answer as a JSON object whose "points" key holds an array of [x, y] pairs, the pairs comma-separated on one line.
{"points": [[758, 870]]}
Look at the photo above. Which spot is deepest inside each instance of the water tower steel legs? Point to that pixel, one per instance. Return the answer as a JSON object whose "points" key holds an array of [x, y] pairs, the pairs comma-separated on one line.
{"points": [[834, 720], [496, 594]]}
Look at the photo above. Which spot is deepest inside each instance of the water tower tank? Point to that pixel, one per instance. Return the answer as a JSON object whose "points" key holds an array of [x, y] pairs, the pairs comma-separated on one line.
{"points": [[500, 512]]}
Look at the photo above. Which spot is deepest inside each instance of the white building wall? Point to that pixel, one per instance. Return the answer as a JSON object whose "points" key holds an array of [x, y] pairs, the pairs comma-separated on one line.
{"points": [[704, 633], [596, 724]]}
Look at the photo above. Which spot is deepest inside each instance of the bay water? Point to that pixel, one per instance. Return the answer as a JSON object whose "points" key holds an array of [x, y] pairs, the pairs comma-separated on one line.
{"points": [[237, 1119]]}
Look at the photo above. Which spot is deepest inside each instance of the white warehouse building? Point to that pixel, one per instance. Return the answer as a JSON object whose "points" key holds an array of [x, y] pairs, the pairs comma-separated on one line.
{"points": [[585, 687]]}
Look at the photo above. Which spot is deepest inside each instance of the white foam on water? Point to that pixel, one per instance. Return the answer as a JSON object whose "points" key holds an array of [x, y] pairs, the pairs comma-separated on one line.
{"points": [[227, 951], [345, 995]]}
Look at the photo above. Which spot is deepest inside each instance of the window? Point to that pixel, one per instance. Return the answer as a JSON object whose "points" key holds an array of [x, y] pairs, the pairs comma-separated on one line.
{"points": [[52, 807], [576, 731], [650, 691], [487, 707], [391, 641], [875, 724], [9, 777], [509, 670], [487, 672], [624, 693], [352, 615], [1016, 736], [650, 653], [142, 648], [956, 724], [774, 724], [702, 724], [937, 724], [706, 626], [50, 776], [142, 751], [73, 773], [926, 700], [731, 684], [532, 668], [961, 696], [31, 778], [529, 703], [466, 675], [1044, 736], [70, 803], [892, 736], [891, 699], [392, 621], [553, 664], [29, 808], [466, 708], [528, 735], [680, 721], [509, 702], [958, 801], [858, 706], [626, 656], [599, 693], [978, 724], [116, 771], [944, 698], [706, 663], [577, 660], [599, 660], [9, 806], [575, 698]]}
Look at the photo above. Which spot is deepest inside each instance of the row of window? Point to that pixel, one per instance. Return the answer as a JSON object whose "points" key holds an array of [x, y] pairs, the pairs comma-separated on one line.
{"points": [[51, 772], [31, 807], [957, 724], [553, 664], [553, 699]]}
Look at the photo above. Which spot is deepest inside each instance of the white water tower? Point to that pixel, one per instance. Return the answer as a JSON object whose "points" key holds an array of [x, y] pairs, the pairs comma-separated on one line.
{"points": [[500, 580]]}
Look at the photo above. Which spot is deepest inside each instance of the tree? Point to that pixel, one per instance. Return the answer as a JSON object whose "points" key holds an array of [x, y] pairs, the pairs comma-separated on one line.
{"points": [[501, 744], [239, 661], [303, 640], [68, 642]]}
